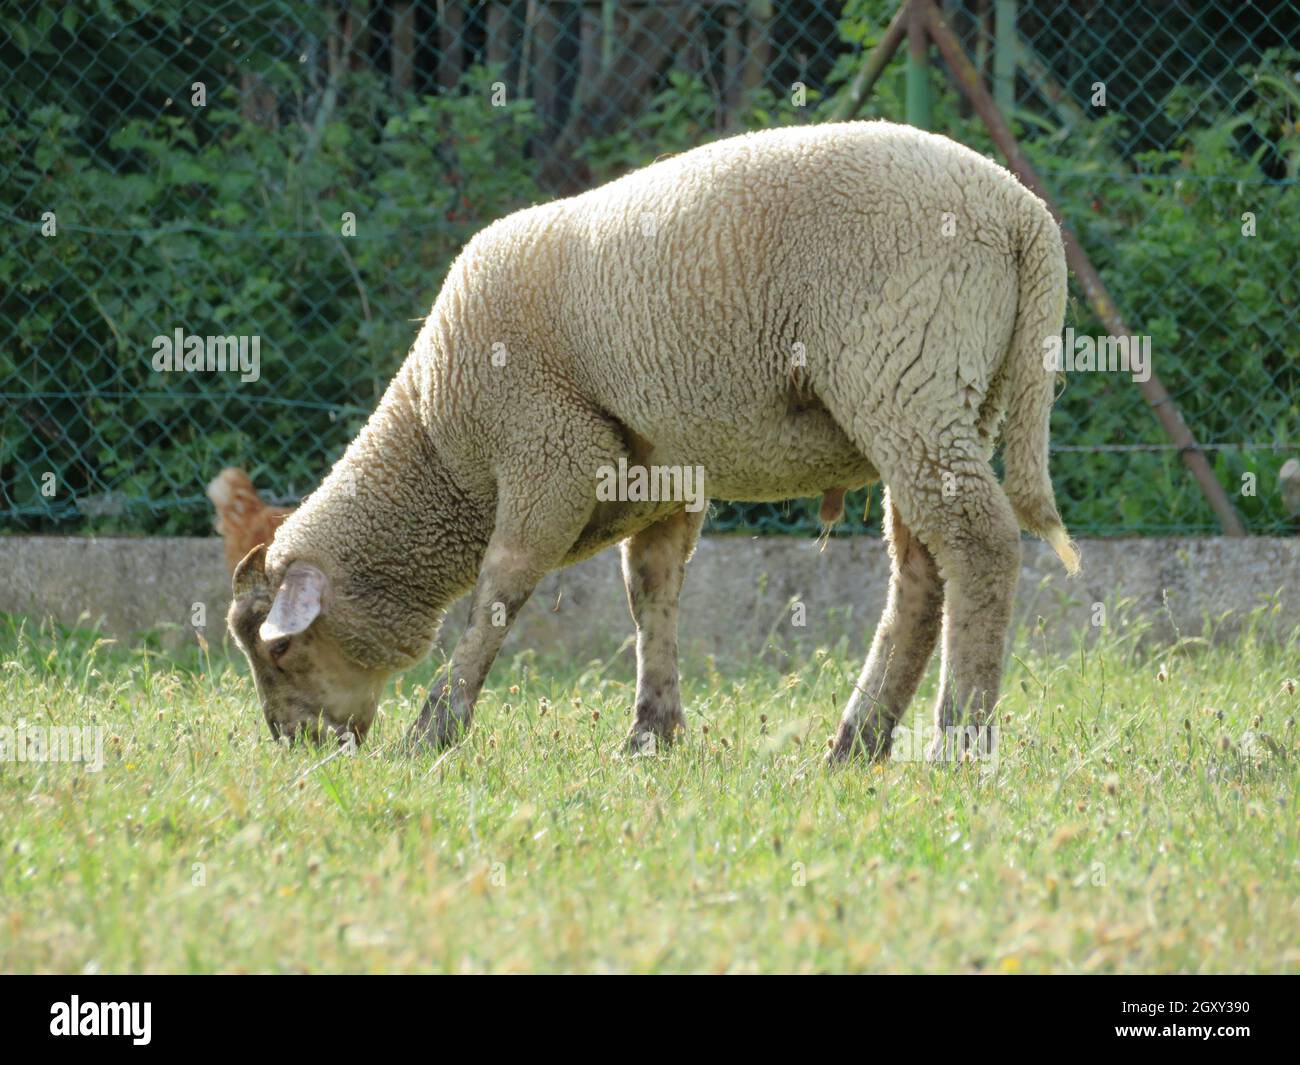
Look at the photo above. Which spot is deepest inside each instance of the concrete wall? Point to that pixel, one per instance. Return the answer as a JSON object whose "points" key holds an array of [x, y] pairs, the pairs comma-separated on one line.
{"points": [[737, 600]]}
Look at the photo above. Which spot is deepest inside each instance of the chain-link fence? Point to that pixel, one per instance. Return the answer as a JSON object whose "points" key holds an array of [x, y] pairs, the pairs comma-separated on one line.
{"points": [[284, 183]]}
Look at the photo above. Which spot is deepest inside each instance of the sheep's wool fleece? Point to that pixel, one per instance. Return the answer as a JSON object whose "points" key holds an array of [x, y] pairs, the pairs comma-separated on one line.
{"points": [[795, 310]]}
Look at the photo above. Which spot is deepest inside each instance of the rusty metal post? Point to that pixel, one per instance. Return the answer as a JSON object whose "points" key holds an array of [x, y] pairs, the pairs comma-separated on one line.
{"points": [[918, 70], [865, 79]]}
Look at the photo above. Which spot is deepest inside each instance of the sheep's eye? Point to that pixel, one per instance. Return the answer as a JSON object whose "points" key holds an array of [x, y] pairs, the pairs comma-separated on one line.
{"points": [[276, 648]]}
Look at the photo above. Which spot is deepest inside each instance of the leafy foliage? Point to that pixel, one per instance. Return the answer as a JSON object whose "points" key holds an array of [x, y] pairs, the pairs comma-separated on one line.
{"points": [[222, 226], [230, 219]]}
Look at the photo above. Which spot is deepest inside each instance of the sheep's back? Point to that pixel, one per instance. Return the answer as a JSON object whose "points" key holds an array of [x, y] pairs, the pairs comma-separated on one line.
{"points": [[694, 285]]}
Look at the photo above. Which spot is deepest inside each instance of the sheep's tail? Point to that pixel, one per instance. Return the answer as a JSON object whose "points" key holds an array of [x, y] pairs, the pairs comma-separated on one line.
{"points": [[1031, 386]]}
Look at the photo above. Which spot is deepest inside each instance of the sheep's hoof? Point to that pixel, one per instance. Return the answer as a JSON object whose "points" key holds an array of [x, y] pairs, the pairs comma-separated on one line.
{"points": [[853, 740], [438, 725], [641, 743], [652, 733]]}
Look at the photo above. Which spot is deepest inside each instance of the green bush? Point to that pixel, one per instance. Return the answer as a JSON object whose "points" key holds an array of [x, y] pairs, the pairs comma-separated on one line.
{"points": [[241, 233]]}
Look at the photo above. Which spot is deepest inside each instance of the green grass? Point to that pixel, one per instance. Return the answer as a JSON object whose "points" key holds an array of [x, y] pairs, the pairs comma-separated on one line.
{"points": [[1129, 824]]}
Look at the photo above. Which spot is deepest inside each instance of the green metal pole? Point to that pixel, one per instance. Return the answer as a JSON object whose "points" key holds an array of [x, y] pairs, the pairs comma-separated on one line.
{"points": [[918, 73], [1006, 45], [607, 33]]}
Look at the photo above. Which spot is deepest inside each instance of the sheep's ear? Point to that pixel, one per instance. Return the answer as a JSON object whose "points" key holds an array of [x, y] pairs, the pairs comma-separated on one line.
{"points": [[297, 603], [250, 574]]}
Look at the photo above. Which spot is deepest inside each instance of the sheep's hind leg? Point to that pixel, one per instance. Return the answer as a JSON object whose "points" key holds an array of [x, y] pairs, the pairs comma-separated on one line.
{"points": [[979, 553], [654, 563], [904, 641]]}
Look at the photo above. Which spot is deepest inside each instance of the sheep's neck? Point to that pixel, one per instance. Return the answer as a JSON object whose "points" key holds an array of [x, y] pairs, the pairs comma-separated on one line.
{"points": [[395, 532]]}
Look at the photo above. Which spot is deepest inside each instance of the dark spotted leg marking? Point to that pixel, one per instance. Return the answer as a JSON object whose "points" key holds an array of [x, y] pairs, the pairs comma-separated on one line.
{"points": [[654, 564]]}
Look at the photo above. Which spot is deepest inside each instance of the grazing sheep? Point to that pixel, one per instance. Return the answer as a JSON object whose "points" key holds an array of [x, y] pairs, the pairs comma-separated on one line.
{"points": [[797, 311]]}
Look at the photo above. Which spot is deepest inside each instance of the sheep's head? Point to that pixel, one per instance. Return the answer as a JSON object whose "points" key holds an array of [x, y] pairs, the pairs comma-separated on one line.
{"points": [[307, 685]]}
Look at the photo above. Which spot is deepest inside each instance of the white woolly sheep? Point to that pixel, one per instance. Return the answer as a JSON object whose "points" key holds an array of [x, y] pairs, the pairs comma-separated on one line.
{"points": [[797, 311]]}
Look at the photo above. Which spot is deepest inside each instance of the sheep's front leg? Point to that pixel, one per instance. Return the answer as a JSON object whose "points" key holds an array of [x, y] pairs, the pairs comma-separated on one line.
{"points": [[506, 580], [543, 505], [654, 563]]}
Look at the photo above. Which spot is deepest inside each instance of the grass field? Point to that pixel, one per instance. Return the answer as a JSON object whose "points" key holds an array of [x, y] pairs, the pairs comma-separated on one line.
{"points": [[1141, 816]]}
